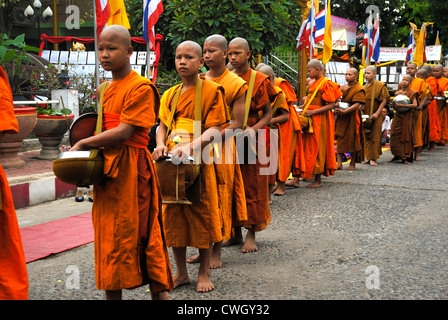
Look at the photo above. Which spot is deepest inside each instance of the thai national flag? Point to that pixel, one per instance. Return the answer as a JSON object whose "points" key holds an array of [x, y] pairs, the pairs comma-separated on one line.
{"points": [[152, 10], [319, 32], [376, 39], [102, 14], [411, 46]]}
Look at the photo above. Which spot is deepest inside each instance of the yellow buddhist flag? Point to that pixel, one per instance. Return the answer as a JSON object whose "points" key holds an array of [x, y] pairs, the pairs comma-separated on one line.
{"points": [[420, 46], [328, 41], [118, 14]]}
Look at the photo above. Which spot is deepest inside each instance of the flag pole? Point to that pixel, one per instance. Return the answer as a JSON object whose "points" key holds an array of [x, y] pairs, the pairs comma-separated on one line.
{"points": [[97, 71]]}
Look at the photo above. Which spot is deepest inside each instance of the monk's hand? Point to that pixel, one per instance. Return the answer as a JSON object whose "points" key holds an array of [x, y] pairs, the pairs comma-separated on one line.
{"points": [[374, 116], [180, 154], [160, 153], [338, 111], [308, 113], [249, 133]]}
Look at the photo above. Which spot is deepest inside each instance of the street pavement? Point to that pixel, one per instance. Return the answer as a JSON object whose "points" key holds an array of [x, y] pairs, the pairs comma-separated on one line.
{"points": [[376, 233]]}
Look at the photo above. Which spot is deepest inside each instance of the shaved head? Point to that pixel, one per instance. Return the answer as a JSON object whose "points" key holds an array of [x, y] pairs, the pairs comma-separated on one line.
{"points": [[353, 70], [259, 66], [193, 45], [438, 67], [267, 70], [217, 39], [314, 63], [372, 69], [407, 76], [240, 42], [118, 32]]}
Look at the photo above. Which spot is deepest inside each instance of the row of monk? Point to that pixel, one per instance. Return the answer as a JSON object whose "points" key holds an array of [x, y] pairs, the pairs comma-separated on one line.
{"points": [[132, 226]]}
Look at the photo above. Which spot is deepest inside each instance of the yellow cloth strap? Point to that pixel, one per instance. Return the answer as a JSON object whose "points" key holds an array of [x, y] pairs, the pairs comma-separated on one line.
{"points": [[99, 120], [308, 102], [250, 90], [372, 98], [278, 102]]}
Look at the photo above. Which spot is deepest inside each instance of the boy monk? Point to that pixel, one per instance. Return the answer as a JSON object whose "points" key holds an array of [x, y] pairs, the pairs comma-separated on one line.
{"points": [[130, 248], [197, 225], [377, 97], [421, 87], [423, 74], [434, 123], [259, 116], [402, 133], [230, 185], [286, 120], [348, 124], [318, 139], [442, 86], [13, 273]]}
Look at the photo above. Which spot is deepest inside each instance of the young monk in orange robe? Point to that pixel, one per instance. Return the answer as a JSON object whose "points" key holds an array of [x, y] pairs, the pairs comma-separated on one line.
{"points": [[423, 74], [442, 86], [230, 181], [130, 248], [198, 225], [421, 87], [378, 89], [319, 144], [348, 125], [13, 273], [287, 121], [260, 113], [402, 133], [434, 123]]}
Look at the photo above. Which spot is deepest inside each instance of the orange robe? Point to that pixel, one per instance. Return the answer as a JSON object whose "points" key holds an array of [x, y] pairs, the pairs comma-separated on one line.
{"points": [[200, 224], [372, 145], [420, 86], [230, 181], [256, 184], [348, 128], [442, 86], [402, 133], [130, 248], [13, 273], [319, 144], [434, 123], [298, 164]]}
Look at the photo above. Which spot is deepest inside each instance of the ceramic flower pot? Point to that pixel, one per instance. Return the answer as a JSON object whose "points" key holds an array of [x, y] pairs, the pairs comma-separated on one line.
{"points": [[10, 144], [50, 130]]}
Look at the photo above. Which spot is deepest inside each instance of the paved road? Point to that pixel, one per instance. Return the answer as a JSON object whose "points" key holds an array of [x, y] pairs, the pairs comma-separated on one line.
{"points": [[374, 233]]}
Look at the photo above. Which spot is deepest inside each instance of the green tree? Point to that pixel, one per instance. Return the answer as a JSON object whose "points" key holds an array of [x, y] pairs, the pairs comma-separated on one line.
{"points": [[265, 24]]}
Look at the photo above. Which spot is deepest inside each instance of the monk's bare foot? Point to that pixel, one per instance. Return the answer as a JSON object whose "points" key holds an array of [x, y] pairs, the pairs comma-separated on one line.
{"points": [[160, 295], [194, 259], [204, 284], [405, 161], [249, 244], [418, 159], [350, 167], [366, 162], [215, 262], [274, 188], [237, 238], [314, 184], [180, 281], [373, 163], [281, 189], [294, 182]]}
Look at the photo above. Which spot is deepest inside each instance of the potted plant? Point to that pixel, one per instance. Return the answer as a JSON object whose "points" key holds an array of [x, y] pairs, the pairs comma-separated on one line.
{"points": [[50, 129], [13, 54]]}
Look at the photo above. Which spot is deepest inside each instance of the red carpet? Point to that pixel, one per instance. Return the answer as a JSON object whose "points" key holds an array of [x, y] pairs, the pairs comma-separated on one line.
{"points": [[42, 240]]}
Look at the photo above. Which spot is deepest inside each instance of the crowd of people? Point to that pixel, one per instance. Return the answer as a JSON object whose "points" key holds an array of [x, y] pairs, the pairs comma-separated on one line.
{"points": [[133, 228]]}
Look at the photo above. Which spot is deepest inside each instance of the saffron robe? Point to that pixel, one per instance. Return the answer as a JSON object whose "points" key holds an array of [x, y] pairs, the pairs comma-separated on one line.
{"points": [[319, 145], [230, 181], [372, 141], [13, 274], [130, 247], [420, 86], [348, 127], [442, 86], [402, 133], [200, 224], [298, 165], [256, 183], [434, 123]]}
